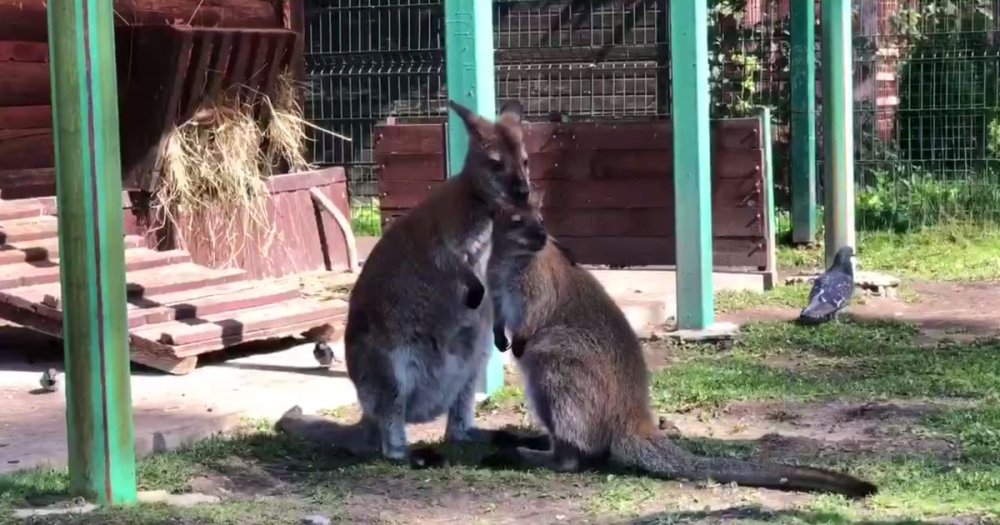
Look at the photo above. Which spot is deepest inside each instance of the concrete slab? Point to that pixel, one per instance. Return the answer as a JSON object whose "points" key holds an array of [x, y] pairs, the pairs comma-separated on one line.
{"points": [[170, 411]]}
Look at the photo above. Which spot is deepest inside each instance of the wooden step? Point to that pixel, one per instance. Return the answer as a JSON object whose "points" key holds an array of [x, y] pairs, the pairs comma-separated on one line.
{"points": [[20, 209], [44, 272], [179, 277], [33, 229], [234, 325], [213, 300], [172, 278], [47, 249], [336, 318]]}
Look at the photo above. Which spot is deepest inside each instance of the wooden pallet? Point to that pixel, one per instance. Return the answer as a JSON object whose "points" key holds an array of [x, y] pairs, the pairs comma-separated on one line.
{"points": [[177, 310]]}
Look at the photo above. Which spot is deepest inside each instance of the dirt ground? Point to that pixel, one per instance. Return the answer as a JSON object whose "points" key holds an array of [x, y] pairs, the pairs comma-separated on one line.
{"points": [[785, 431], [957, 311]]}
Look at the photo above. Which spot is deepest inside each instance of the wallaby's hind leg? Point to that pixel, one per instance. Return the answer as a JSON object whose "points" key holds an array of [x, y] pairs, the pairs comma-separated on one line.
{"points": [[383, 403], [462, 416]]}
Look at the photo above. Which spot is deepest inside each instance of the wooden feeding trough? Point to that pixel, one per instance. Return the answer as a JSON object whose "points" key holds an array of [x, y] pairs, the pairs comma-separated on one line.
{"points": [[177, 69], [173, 55]]}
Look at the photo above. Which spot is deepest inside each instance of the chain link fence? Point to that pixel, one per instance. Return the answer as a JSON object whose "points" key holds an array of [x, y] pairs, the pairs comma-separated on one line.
{"points": [[927, 114]]}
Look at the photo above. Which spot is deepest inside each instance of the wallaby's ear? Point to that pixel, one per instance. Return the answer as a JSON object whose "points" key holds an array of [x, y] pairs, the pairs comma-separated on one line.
{"points": [[512, 112], [536, 198], [479, 128]]}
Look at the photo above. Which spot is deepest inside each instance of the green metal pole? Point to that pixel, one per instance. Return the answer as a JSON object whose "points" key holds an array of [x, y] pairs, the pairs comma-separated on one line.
{"points": [[470, 80], [91, 248], [692, 163], [803, 67], [838, 126]]}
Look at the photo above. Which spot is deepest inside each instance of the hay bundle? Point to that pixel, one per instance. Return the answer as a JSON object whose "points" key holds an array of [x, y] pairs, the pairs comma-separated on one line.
{"points": [[213, 189]]}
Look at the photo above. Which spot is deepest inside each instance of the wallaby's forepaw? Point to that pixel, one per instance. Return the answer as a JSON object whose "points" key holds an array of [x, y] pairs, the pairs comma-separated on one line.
{"points": [[500, 338], [474, 295], [426, 457]]}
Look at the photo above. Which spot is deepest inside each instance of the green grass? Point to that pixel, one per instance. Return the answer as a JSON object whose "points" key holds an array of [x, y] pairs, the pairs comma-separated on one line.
{"points": [[865, 361], [942, 253], [792, 296], [366, 219]]}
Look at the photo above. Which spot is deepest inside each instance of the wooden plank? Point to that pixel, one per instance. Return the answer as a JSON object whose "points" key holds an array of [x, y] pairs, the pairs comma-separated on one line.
{"points": [[21, 184], [25, 19], [645, 222], [26, 117], [45, 249], [261, 294], [21, 230], [179, 277], [641, 251], [24, 83], [335, 318], [583, 165], [22, 51], [26, 149], [423, 166], [589, 194], [403, 139], [42, 272], [11, 210], [235, 324], [727, 134], [143, 283]]}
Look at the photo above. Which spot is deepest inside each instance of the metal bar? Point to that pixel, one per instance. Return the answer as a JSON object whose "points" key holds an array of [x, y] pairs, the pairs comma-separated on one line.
{"points": [[471, 82], [803, 133], [770, 221], [838, 126], [92, 248], [692, 163]]}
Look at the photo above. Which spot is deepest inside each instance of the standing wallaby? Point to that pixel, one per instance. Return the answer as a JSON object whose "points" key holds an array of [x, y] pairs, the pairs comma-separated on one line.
{"points": [[586, 379], [418, 329]]}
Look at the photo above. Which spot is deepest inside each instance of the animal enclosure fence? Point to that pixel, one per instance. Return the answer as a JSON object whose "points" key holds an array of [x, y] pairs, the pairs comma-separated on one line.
{"points": [[927, 114]]}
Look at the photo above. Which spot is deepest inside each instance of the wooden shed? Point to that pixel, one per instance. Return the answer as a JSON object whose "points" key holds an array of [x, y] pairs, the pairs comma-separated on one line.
{"points": [[171, 56]]}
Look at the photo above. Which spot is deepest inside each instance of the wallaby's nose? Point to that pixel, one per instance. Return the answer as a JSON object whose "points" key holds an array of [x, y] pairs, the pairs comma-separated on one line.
{"points": [[537, 239]]}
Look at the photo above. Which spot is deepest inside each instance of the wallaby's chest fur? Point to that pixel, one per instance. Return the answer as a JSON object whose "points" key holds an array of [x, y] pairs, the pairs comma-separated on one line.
{"points": [[577, 338], [408, 303]]}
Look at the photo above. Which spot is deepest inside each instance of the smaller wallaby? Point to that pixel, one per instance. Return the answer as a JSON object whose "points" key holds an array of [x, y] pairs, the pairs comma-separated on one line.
{"points": [[586, 379]]}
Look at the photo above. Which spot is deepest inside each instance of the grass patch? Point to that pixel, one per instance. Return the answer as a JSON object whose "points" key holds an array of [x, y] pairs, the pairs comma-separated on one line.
{"points": [[366, 219], [864, 361], [792, 296], [941, 253], [852, 360]]}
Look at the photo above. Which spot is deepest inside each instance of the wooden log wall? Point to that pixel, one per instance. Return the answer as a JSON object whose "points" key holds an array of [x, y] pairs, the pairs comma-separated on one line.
{"points": [[608, 187], [26, 146]]}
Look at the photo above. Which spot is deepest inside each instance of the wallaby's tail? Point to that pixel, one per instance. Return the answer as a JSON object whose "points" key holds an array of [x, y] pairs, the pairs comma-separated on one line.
{"points": [[657, 455]]}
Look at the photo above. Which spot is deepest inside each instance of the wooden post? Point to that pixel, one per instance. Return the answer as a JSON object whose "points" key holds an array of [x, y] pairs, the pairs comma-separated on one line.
{"points": [[92, 251], [692, 163], [838, 127], [803, 69], [470, 80]]}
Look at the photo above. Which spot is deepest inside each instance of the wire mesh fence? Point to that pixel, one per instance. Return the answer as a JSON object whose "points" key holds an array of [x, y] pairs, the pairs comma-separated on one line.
{"points": [[927, 114]]}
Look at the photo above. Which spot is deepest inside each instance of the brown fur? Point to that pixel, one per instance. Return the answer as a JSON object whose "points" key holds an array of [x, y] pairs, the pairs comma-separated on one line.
{"points": [[417, 327], [587, 382]]}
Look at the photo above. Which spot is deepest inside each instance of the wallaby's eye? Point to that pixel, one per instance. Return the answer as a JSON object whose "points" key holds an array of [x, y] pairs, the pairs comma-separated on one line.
{"points": [[495, 165]]}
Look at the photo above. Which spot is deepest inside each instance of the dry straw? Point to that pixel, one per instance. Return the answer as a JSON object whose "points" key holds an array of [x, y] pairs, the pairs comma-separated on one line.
{"points": [[213, 190]]}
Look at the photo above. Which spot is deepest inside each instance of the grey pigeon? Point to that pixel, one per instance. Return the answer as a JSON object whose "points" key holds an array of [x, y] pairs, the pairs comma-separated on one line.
{"points": [[50, 380], [832, 291]]}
